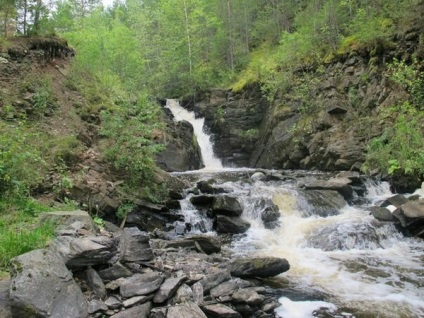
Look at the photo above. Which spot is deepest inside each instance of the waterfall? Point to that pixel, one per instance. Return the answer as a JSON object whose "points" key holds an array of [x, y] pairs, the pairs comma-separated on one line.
{"points": [[210, 161], [339, 254]]}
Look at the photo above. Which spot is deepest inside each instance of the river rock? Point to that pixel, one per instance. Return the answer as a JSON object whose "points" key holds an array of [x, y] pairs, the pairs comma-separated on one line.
{"points": [[339, 185], [258, 267], [168, 289], [226, 205], [202, 200], [214, 279], [323, 203], [270, 216], [42, 284], [247, 296], [382, 214], [231, 225], [141, 284], [227, 288], [205, 187], [137, 300], [141, 311], [96, 305], [258, 176], [183, 294], [113, 302], [95, 283], [340, 236], [116, 271], [220, 311], [87, 251], [411, 218], [186, 310], [206, 244], [135, 246], [396, 200]]}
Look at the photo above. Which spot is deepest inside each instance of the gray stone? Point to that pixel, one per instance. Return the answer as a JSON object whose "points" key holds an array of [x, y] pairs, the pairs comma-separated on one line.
{"points": [[214, 279], [115, 284], [226, 205], [136, 300], [258, 267], [67, 218], [231, 225], [41, 283], [396, 200], [382, 214], [258, 176], [337, 185], [116, 271], [96, 305], [135, 246], [247, 296], [168, 289], [141, 311], [411, 218], [227, 288], [206, 244], [113, 303], [202, 200], [269, 307], [81, 252], [95, 283], [198, 293], [141, 284], [186, 310], [220, 311], [159, 312], [183, 294], [323, 203], [5, 304], [205, 187]]}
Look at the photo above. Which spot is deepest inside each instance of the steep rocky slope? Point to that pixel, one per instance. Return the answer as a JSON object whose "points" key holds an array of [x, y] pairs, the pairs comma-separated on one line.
{"points": [[323, 120]]}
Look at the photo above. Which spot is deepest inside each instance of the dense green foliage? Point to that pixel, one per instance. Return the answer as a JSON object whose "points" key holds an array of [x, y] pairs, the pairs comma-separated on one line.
{"points": [[401, 147]]}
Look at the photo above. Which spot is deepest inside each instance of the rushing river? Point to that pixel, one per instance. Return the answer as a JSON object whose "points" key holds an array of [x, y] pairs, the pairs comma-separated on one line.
{"points": [[341, 258]]}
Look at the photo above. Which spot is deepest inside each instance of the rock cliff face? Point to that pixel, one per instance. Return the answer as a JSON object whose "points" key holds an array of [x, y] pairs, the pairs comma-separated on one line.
{"points": [[322, 120]]}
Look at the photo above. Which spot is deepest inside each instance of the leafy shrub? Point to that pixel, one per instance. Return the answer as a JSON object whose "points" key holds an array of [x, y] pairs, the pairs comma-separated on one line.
{"points": [[130, 146], [21, 162], [401, 146]]}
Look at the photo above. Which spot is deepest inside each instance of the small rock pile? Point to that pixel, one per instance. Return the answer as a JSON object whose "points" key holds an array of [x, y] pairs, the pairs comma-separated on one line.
{"points": [[126, 273]]}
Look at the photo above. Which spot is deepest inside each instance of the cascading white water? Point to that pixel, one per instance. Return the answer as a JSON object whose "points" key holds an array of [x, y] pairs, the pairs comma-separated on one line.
{"points": [[210, 161], [359, 264]]}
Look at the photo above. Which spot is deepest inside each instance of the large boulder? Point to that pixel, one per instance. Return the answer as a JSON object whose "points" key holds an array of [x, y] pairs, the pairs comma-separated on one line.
{"points": [[258, 266], [382, 214], [135, 246], [87, 251], [226, 205], [231, 225], [341, 185], [323, 203], [182, 151], [410, 217], [220, 311], [141, 284], [42, 286]]}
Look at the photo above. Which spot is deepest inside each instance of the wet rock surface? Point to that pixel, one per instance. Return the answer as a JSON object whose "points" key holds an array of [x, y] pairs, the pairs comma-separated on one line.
{"points": [[187, 277]]}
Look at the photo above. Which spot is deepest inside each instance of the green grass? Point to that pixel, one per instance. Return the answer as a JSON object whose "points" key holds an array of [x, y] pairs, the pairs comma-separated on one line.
{"points": [[20, 231]]}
